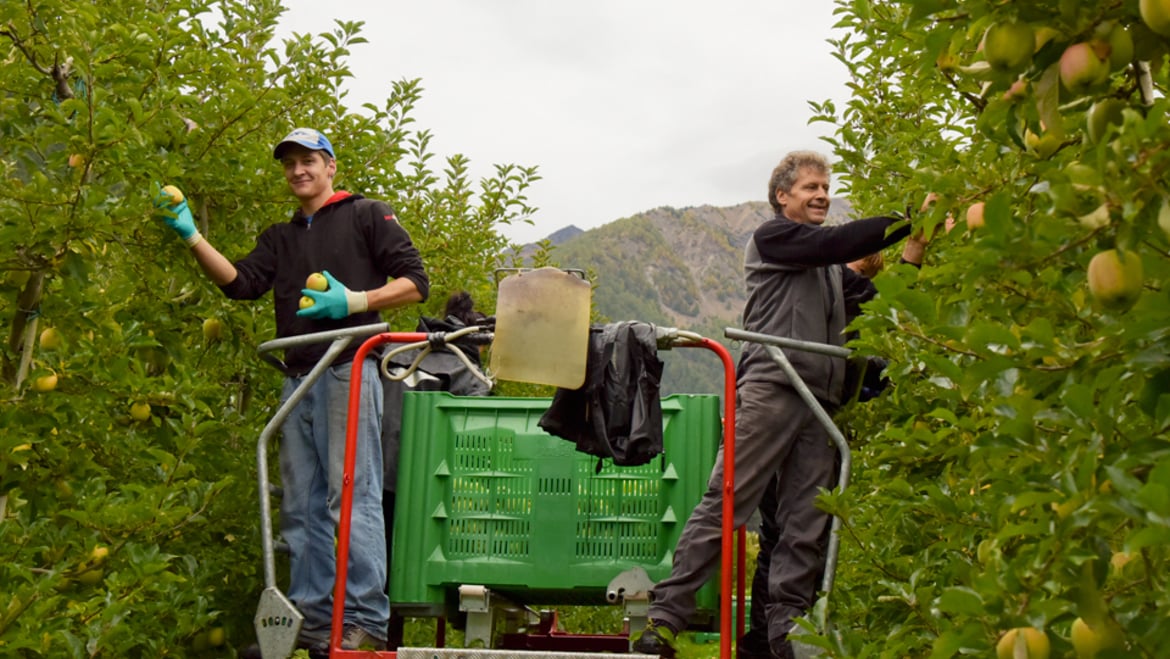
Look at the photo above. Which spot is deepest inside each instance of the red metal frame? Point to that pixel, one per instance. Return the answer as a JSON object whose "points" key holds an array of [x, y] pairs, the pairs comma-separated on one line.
{"points": [[343, 529]]}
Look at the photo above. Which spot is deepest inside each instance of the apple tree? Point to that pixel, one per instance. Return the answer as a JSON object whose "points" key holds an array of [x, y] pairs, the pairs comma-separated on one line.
{"points": [[131, 395], [1017, 472]]}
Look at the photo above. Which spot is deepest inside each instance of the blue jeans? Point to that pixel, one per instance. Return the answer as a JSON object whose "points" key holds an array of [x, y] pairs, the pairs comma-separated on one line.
{"points": [[312, 462]]}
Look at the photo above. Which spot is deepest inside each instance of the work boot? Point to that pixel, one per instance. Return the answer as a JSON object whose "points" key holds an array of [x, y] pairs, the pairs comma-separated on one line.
{"points": [[356, 638], [783, 650], [753, 645], [657, 638]]}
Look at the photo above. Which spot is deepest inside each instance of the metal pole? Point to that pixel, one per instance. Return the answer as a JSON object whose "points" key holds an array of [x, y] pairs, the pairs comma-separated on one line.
{"points": [[341, 338], [353, 412], [784, 342], [262, 454], [770, 344]]}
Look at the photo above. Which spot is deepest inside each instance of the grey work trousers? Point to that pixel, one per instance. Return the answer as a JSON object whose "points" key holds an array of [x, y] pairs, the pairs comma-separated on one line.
{"points": [[776, 435]]}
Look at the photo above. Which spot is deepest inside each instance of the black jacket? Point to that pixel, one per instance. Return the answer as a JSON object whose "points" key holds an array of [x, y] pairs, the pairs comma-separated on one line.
{"points": [[616, 413], [798, 289], [358, 240]]}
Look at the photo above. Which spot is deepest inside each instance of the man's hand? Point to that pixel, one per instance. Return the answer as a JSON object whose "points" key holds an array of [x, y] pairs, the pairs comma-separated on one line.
{"points": [[919, 236], [176, 215], [335, 302]]}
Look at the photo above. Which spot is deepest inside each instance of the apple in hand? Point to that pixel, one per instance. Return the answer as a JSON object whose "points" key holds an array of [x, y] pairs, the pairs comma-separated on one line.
{"points": [[317, 282], [175, 194]]}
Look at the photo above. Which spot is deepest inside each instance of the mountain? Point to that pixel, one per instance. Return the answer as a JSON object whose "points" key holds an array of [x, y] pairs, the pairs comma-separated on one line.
{"points": [[674, 267], [561, 235], [558, 237]]}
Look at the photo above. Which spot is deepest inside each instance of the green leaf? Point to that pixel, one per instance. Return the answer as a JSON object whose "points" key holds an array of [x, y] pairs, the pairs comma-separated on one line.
{"points": [[1078, 398], [961, 600], [1047, 91], [1156, 498], [1152, 536], [919, 304], [990, 336]]}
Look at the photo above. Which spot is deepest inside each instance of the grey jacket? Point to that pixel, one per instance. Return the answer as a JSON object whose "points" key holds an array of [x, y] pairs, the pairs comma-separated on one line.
{"points": [[796, 288]]}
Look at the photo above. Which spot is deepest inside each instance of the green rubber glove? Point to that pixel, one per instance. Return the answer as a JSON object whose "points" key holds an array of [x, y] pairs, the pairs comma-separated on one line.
{"points": [[176, 215], [334, 302]]}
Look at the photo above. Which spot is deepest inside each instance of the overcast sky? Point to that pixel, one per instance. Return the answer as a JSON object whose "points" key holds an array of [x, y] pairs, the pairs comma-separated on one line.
{"points": [[624, 105]]}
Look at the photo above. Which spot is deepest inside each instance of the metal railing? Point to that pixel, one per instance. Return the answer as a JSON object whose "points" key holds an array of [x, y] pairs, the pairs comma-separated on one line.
{"points": [[772, 345]]}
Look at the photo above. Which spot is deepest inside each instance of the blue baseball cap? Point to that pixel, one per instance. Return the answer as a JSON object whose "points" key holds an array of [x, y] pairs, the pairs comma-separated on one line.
{"points": [[308, 138]]}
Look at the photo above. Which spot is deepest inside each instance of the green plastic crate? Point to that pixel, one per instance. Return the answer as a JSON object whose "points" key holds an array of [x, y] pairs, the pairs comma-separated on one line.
{"points": [[486, 497]]}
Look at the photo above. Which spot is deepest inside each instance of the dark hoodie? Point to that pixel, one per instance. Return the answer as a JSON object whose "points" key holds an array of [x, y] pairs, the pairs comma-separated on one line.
{"points": [[358, 240]]}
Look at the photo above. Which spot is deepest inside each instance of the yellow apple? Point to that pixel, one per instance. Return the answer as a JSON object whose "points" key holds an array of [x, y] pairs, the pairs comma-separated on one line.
{"points": [[1146, 44], [1023, 643], [1018, 89], [986, 550], [1087, 641], [216, 637], [1156, 15], [1041, 145], [1082, 176], [76, 160], [1045, 34], [140, 411], [317, 282], [45, 383], [91, 577], [1008, 46], [1067, 507], [99, 553], [16, 278], [1115, 279], [306, 302], [50, 339], [1119, 559], [212, 329], [1081, 67], [174, 193], [975, 215], [1103, 114], [1120, 46], [1096, 218]]}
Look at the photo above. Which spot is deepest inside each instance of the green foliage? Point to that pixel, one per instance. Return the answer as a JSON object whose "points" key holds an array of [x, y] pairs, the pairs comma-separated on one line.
{"points": [[1024, 441], [97, 102]]}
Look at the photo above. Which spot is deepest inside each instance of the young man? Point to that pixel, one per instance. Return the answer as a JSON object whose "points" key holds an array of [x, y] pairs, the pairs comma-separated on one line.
{"points": [[796, 284], [370, 265]]}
